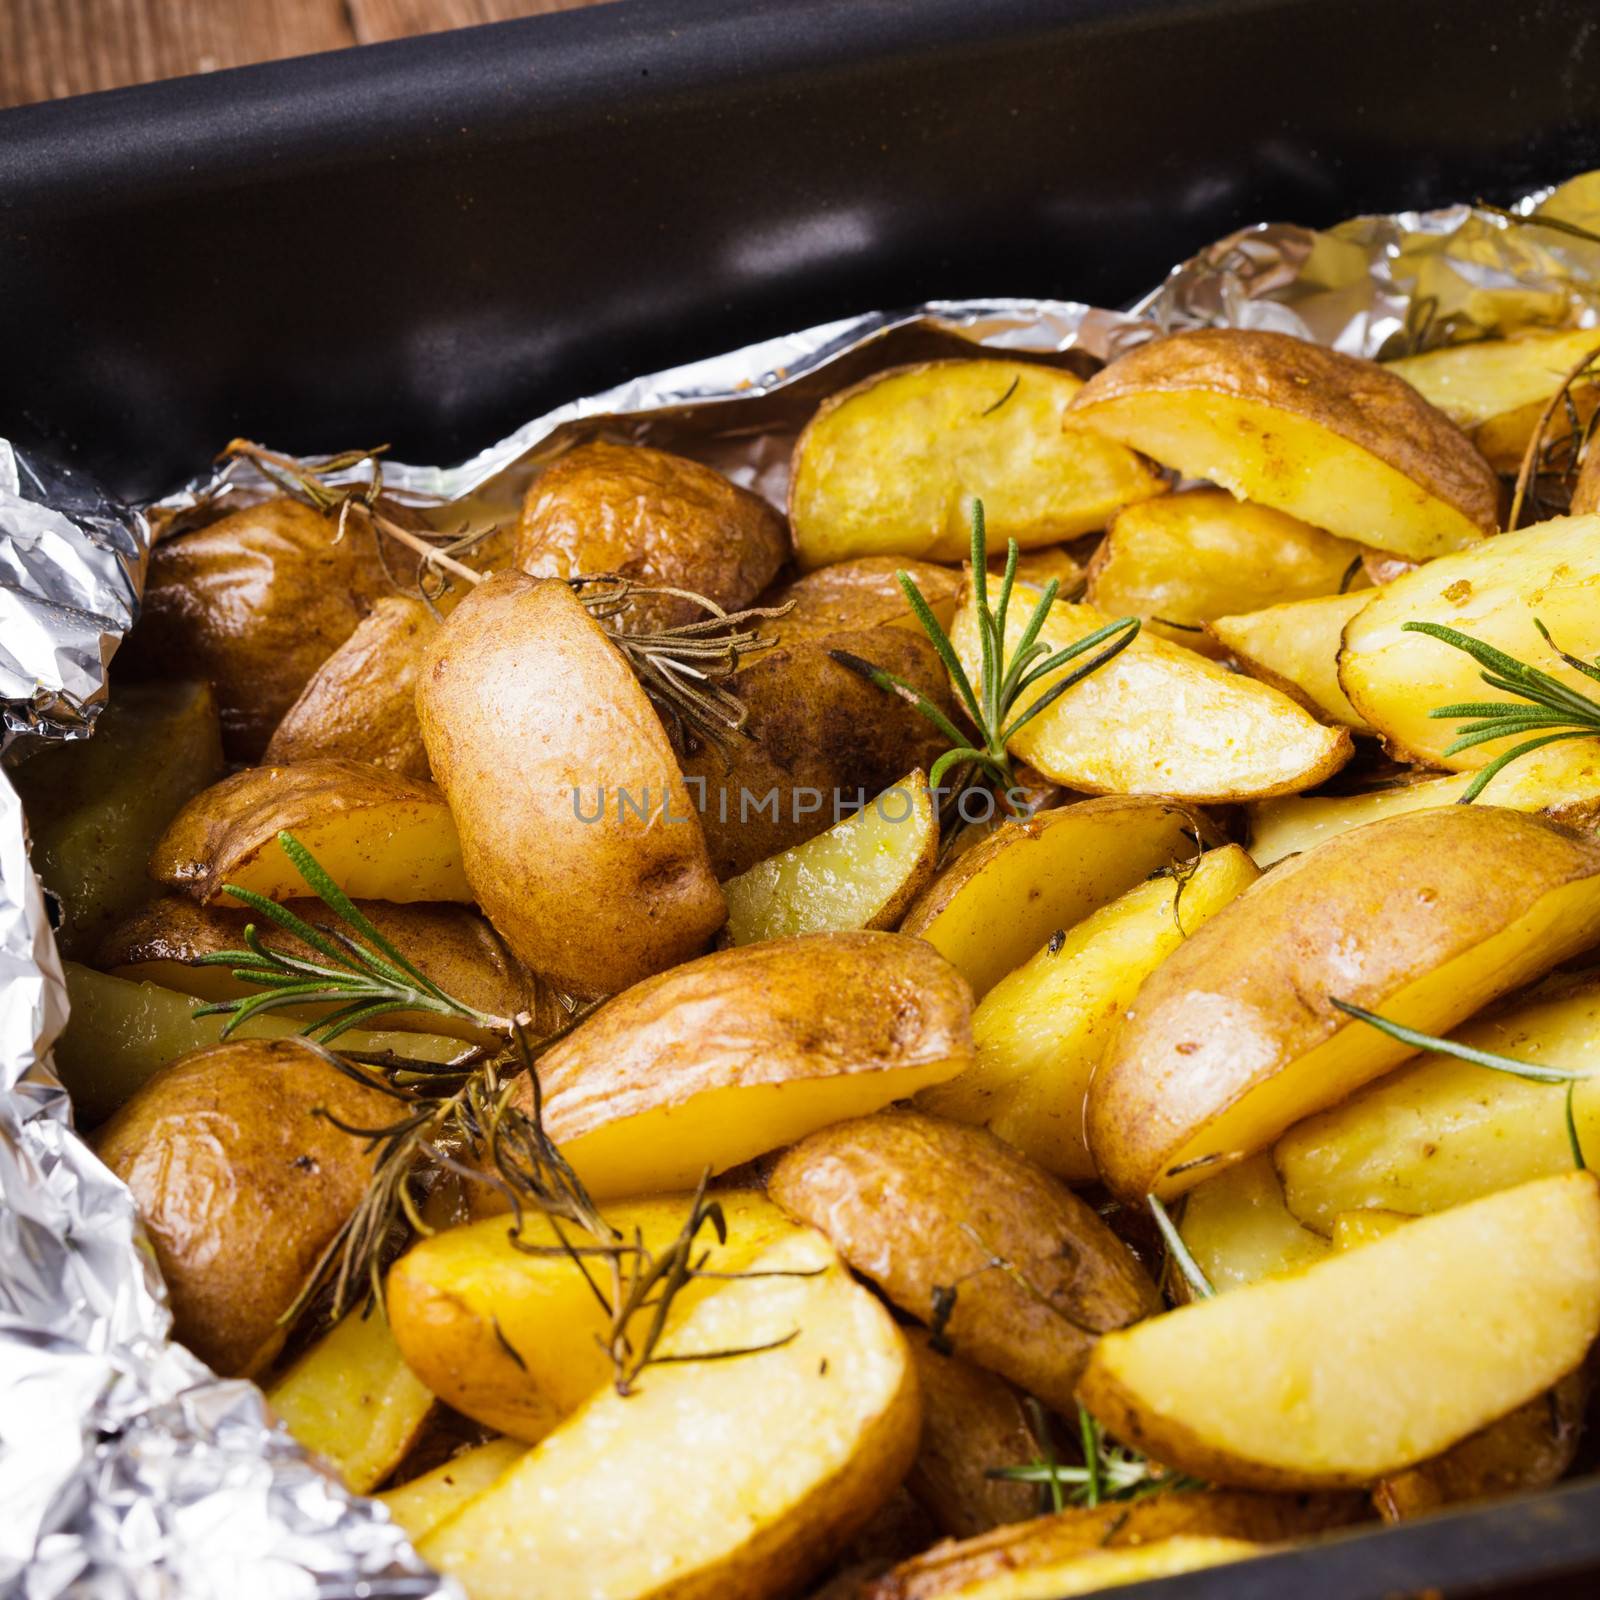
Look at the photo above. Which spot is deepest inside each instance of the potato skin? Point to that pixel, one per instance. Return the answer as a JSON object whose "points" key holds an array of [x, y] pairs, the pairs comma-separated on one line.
{"points": [[920, 1206], [241, 1185], [851, 596], [656, 518], [526, 710]]}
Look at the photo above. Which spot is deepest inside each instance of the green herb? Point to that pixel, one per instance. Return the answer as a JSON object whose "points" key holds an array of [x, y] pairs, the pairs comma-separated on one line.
{"points": [[989, 411], [1002, 682], [1349, 575], [1178, 1251], [1108, 1472], [1550, 710]]}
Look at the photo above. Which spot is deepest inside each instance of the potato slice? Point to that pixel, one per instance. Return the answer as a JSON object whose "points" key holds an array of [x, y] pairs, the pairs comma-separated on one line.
{"points": [[725, 1058], [426, 1503], [1158, 719], [1236, 1036], [892, 466], [1041, 1031], [1366, 1363], [361, 703], [352, 1400], [862, 873], [1335, 441], [1239, 1230], [993, 907], [968, 1236], [378, 835], [1351, 1229], [96, 807], [1440, 1131], [1182, 560], [1495, 592], [1295, 648], [782, 1454], [1561, 782], [513, 1338]]}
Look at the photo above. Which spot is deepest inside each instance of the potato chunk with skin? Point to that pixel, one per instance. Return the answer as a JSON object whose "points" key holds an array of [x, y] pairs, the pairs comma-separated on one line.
{"points": [[781, 1454], [1295, 648], [1041, 1031], [891, 466], [1235, 1036], [1157, 719], [1335, 441], [746, 1050], [1182, 560], [967, 1235], [1239, 1231], [1367, 1363], [1495, 593], [423, 1504]]}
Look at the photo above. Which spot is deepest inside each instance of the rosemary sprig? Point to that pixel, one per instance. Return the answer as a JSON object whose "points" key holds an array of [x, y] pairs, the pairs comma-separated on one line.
{"points": [[1108, 1472], [1550, 710], [1556, 459], [1002, 682], [1178, 1252]]}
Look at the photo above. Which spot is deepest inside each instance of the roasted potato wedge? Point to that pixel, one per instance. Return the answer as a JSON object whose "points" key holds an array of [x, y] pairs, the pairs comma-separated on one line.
{"points": [[1498, 593], [1340, 443], [862, 873], [783, 1453], [1183, 560], [241, 1184], [992, 908], [427, 1502], [1364, 1364], [853, 596], [1236, 1035], [1041, 1031], [378, 835], [1239, 1231], [956, 1228], [566, 792], [657, 519], [361, 703], [731, 1056], [892, 466], [1136, 726], [1352, 1229], [96, 807]]}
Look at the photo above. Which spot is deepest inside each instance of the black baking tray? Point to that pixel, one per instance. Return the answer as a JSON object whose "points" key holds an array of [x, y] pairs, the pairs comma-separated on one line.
{"points": [[427, 242]]}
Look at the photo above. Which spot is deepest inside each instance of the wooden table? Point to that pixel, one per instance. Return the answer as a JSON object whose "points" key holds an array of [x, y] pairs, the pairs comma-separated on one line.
{"points": [[57, 47]]}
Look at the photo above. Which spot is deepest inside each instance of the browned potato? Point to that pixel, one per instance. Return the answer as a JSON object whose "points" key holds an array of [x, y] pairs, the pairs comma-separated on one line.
{"points": [[972, 1238], [361, 703], [241, 1185], [852, 596], [256, 602], [576, 832], [656, 518]]}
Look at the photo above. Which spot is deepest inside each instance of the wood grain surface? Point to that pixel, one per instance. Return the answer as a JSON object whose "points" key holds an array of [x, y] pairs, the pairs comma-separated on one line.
{"points": [[58, 47]]}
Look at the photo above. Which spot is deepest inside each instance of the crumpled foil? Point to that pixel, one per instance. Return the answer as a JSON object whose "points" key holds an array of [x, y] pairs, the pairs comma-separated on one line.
{"points": [[126, 1467]]}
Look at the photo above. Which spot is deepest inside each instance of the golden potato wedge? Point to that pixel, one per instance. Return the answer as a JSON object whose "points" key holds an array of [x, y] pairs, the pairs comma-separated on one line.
{"points": [[782, 1453], [1295, 648], [241, 1184], [361, 703], [862, 873], [972, 1421], [992, 908], [1239, 1231], [1335, 441], [1158, 719], [96, 807], [1183, 560], [892, 466], [1236, 1035], [1495, 593], [119, 1034], [655, 518], [743, 1051], [352, 1400], [1351, 1229], [1041, 1031], [1367, 1363], [378, 835], [970, 1237], [426, 1502], [513, 1338], [1439, 1131], [576, 833]]}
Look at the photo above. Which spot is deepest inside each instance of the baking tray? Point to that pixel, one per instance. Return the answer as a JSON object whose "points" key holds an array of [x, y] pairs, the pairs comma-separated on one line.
{"points": [[427, 242]]}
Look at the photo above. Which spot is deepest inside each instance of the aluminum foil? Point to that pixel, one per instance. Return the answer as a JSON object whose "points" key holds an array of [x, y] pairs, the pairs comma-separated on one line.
{"points": [[126, 1467]]}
